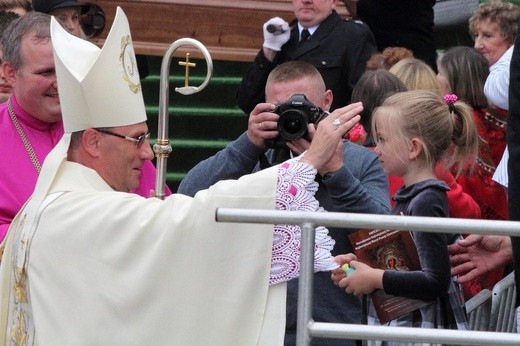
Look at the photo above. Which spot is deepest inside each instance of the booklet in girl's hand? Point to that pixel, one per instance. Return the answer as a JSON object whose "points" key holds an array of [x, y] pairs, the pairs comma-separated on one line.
{"points": [[388, 250]]}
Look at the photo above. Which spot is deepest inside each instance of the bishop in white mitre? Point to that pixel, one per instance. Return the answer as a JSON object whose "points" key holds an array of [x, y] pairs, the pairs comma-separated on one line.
{"points": [[84, 264]]}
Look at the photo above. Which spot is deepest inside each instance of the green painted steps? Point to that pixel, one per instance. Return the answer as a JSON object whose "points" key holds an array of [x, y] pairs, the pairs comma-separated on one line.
{"points": [[200, 124], [203, 123]]}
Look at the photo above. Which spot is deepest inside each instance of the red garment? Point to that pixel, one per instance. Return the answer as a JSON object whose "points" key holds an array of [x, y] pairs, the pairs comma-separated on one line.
{"points": [[394, 184], [460, 204], [490, 196]]}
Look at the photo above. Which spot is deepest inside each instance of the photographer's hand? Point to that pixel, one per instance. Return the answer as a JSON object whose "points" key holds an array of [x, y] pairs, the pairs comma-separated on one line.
{"points": [[262, 124]]}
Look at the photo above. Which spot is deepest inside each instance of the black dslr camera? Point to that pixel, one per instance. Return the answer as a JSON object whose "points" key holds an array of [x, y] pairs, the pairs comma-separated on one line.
{"points": [[295, 114]]}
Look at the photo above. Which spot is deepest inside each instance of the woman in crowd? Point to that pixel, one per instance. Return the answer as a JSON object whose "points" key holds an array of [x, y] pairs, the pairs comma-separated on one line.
{"points": [[494, 26], [463, 71]]}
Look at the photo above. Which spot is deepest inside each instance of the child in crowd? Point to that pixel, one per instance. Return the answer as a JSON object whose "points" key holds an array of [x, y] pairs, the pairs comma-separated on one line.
{"points": [[372, 89], [463, 71], [415, 130], [416, 75]]}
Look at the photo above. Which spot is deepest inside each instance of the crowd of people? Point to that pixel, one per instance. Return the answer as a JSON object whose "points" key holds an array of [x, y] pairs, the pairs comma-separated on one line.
{"points": [[390, 125]]}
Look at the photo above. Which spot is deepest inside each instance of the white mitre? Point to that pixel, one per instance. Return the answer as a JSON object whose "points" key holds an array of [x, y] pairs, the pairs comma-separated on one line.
{"points": [[98, 87]]}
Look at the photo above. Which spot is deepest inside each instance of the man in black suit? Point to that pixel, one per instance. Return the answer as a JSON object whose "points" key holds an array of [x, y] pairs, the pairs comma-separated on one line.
{"points": [[338, 48]]}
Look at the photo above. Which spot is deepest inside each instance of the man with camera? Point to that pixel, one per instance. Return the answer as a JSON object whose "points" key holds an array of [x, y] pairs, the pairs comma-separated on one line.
{"points": [[296, 89]]}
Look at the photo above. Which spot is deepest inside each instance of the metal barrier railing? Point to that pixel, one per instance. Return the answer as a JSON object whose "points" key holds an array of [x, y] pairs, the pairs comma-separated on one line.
{"points": [[307, 328]]}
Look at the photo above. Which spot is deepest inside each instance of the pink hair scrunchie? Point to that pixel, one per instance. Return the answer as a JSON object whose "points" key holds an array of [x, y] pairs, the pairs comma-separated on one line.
{"points": [[450, 99]]}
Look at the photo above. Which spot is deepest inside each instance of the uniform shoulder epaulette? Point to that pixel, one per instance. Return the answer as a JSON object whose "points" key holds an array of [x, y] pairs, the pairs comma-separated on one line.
{"points": [[357, 21]]}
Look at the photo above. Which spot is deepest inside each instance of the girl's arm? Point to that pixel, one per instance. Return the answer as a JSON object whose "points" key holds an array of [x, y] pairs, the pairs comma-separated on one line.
{"points": [[426, 284], [434, 278]]}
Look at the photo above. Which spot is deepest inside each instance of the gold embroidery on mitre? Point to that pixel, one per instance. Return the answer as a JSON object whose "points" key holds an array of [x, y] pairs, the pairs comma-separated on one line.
{"points": [[127, 58]]}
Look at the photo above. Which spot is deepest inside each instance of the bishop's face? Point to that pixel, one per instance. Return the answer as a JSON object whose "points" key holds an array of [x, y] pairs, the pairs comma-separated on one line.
{"points": [[120, 160]]}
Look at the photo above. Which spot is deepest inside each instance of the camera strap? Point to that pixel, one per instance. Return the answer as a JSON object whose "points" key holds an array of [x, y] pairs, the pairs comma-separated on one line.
{"points": [[264, 162], [279, 155]]}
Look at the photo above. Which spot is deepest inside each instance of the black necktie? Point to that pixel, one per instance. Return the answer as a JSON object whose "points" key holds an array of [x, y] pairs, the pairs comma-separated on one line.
{"points": [[304, 35]]}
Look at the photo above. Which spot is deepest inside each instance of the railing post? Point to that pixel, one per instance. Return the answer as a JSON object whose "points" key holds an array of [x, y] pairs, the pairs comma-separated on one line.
{"points": [[305, 285]]}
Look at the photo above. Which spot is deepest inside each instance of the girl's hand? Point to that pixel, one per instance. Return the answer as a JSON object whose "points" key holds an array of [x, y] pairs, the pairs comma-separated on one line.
{"points": [[339, 274], [363, 281]]}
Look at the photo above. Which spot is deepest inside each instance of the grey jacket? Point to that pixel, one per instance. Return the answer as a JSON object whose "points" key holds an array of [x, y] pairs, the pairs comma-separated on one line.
{"points": [[361, 186]]}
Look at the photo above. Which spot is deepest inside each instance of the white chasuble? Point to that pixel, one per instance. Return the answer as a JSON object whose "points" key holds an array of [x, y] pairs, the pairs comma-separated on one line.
{"points": [[111, 268]]}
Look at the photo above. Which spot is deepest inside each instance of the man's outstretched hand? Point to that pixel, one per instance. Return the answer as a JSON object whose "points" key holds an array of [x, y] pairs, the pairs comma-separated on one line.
{"points": [[477, 255]]}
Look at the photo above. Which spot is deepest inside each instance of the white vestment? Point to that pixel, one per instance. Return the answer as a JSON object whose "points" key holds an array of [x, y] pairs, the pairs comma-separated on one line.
{"points": [[110, 268]]}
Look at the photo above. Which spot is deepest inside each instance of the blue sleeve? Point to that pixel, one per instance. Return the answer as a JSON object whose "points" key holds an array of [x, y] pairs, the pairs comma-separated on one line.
{"points": [[235, 160], [361, 185]]}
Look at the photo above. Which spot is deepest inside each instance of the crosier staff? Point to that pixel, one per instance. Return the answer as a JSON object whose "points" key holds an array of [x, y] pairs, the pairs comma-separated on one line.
{"points": [[162, 147]]}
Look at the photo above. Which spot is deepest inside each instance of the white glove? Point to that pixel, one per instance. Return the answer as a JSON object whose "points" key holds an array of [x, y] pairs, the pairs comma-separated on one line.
{"points": [[279, 37]]}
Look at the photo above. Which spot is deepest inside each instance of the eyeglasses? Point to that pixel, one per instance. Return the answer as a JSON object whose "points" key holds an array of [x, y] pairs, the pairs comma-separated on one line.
{"points": [[138, 141]]}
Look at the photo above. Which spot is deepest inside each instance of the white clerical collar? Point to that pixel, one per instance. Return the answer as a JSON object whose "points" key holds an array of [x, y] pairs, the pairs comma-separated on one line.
{"points": [[312, 29]]}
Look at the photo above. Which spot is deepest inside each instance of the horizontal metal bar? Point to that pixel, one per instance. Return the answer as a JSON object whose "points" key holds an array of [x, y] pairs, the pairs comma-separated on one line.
{"points": [[369, 221], [407, 334], [307, 327]]}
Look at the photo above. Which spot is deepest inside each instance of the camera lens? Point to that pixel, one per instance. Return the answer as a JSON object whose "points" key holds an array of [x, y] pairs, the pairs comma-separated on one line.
{"points": [[292, 124]]}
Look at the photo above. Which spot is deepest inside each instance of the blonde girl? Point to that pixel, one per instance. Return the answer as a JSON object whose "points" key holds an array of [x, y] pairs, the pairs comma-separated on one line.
{"points": [[413, 131]]}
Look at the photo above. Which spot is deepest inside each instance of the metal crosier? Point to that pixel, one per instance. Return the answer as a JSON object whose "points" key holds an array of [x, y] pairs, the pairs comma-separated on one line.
{"points": [[162, 147]]}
